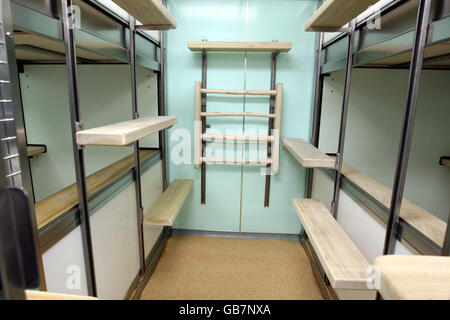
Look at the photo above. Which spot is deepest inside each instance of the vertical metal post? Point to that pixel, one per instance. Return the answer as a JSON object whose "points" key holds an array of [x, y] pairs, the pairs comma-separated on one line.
{"points": [[162, 105], [343, 126], [415, 71], [203, 166], [78, 150], [318, 92], [137, 161], [273, 80]]}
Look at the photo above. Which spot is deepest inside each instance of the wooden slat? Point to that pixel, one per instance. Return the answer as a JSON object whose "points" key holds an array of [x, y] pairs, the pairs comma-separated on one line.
{"points": [[124, 133], [308, 155], [149, 13], [337, 13], [208, 137], [445, 161], [241, 92], [277, 129], [344, 264], [236, 114], [244, 46], [237, 161], [35, 150], [420, 219], [44, 295], [165, 210], [53, 206], [197, 125], [414, 277]]}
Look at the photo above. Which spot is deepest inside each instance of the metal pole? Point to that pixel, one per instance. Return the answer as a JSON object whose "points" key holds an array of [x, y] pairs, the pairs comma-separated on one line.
{"points": [[203, 167], [273, 80], [343, 127], [137, 162], [420, 36], [78, 150], [317, 109], [162, 105]]}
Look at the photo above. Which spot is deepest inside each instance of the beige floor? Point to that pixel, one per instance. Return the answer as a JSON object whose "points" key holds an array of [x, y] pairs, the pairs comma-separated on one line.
{"points": [[223, 268]]}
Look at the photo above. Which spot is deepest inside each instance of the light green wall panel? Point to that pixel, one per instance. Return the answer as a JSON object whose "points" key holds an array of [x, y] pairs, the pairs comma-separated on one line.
{"points": [[226, 21]]}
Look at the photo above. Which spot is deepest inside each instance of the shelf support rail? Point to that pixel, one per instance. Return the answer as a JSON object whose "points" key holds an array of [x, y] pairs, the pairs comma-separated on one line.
{"points": [[80, 170]]}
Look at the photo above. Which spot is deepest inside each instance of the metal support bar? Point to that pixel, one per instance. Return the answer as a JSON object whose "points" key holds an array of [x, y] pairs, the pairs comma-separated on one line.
{"points": [[78, 152], [273, 79], [162, 106], [318, 92], [137, 162], [420, 37], [203, 109], [343, 127]]}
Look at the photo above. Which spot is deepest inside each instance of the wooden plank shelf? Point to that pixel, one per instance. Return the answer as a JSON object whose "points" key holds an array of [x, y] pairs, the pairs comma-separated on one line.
{"points": [[241, 92], [35, 150], [337, 13], [414, 277], [149, 12], [60, 202], [445, 161], [207, 137], [243, 46], [165, 210], [124, 133], [343, 263], [237, 114], [236, 161], [308, 155]]}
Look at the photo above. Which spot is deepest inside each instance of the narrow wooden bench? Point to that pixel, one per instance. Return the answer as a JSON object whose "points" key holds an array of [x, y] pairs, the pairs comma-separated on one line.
{"points": [[344, 264], [308, 155], [165, 210]]}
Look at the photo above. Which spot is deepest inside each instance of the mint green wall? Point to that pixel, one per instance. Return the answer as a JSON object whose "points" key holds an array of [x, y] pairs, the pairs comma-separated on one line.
{"points": [[268, 20], [105, 98]]}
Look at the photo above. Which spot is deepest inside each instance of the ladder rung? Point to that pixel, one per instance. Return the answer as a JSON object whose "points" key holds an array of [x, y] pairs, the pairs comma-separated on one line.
{"points": [[237, 137], [238, 161], [236, 114], [242, 92]]}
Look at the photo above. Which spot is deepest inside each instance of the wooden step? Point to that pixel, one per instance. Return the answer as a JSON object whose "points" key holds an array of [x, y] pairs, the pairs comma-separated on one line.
{"points": [[241, 92], [308, 155], [34, 150], [343, 263], [414, 277], [165, 210], [337, 13], [149, 13], [124, 133], [243, 46], [237, 114]]}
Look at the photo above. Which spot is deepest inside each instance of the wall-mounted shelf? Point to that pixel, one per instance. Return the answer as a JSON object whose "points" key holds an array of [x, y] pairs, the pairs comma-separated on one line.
{"points": [[151, 13], [236, 114], [35, 150], [337, 13], [414, 277], [165, 210], [308, 155], [244, 46], [445, 161], [344, 264], [124, 133]]}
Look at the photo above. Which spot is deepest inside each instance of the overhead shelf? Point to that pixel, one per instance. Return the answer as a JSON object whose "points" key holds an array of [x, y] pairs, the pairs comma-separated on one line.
{"points": [[124, 133], [149, 12], [308, 155], [343, 263], [337, 13], [165, 210], [34, 150], [414, 277], [244, 46]]}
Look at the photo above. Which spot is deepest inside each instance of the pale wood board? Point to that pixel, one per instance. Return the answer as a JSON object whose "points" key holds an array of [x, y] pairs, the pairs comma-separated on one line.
{"points": [[337, 13], [124, 133], [446, 162], [344, 264], [241, 92], [165, 210], [237, 161], [277, 129], [422, 220], [197, 125], [35, 150], [148, 12], [308, 155], [208, 137], [53, 206], [243, 46], [44, 295], [236, 114], [414, 277]]}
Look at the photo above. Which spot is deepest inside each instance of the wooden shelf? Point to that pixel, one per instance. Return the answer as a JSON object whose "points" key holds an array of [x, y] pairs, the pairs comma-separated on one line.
{"points": [[34, 150], [124, 133], [241, 92], [149, 13], [237, 114], [55, 205], [445, 161], [337, 13], [165, 210], [414, 277], [308, 155], [244, 46], [343, 263]]}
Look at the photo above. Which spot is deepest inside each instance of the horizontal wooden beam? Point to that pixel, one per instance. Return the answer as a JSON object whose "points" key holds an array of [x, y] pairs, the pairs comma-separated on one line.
{"points": [[237, 137], [243, 46], [236, 114], [237, 161], [242, 92]]}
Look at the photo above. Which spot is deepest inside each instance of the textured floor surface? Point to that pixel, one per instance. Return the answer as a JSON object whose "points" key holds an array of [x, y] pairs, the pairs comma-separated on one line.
{"points": [[222, 268]]}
